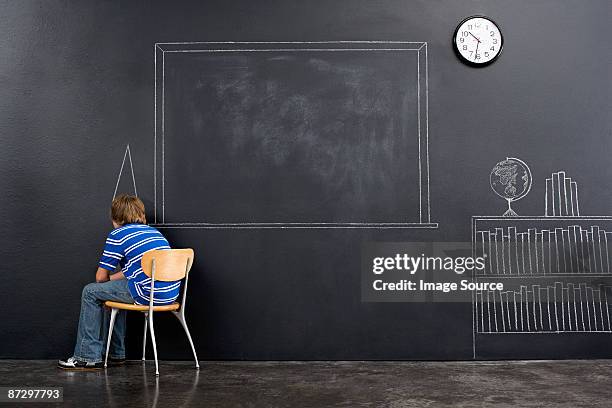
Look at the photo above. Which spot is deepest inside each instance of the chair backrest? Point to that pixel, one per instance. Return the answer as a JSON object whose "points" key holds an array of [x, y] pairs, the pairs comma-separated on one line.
{"points": [[170, 264]]}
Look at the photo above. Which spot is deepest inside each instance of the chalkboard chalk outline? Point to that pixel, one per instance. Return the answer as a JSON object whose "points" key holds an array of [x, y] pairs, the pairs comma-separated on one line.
{"points": [[281, 225], [161, 48], [127, 154]]}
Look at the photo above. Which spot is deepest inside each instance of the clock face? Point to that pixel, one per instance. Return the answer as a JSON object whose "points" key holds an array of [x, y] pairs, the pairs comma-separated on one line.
{"points": [[478, 41]]}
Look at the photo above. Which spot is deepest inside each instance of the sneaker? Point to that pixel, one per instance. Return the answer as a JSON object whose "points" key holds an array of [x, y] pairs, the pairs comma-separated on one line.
{"points": [[74, 364]]}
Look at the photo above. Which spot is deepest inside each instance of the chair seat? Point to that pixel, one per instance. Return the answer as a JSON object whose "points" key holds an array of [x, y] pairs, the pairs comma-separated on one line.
{"points": [[142, 308]]}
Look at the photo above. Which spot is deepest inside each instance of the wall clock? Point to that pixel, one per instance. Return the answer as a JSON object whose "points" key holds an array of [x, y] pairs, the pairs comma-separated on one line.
{"points": [[478, 41]]}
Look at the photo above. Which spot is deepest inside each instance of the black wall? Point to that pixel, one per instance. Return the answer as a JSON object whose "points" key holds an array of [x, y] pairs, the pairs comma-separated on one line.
{"points": [[77, 85]]}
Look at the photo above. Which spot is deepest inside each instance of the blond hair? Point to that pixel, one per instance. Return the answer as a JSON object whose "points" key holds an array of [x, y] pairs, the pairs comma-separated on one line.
{"points": [[127, 209]]}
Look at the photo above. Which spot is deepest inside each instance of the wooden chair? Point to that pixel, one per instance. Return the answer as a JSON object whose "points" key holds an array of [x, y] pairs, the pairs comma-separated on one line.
{"points": [[161, 265]]}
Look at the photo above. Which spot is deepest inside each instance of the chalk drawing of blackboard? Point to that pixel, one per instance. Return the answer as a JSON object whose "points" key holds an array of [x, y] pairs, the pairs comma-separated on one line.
{"points": [[292, 135]]}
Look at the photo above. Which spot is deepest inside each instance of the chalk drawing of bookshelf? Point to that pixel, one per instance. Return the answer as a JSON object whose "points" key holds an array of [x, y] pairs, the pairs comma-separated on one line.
{"points": [[556, 268], [544, 307]]}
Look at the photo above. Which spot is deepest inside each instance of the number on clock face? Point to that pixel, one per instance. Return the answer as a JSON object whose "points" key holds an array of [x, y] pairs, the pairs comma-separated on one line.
{"points": [[478, 41]]}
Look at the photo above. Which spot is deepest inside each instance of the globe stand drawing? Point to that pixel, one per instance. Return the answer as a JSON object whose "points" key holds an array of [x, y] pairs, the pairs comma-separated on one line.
{"points": [[511, 180], [510, 212]]}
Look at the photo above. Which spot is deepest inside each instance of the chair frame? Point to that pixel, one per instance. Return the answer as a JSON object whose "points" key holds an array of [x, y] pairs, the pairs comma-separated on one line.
{"points": [[148, 321]]}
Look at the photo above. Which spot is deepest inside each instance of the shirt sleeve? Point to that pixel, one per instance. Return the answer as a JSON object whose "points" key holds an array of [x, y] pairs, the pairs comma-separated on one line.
{"points": [[112, 255]]}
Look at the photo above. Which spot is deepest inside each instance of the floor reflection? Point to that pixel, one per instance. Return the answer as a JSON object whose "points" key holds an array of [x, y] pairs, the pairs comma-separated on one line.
{"points": [[177, 388]]}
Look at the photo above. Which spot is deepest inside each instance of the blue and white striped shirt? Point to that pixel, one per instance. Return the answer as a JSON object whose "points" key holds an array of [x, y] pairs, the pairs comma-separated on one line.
{"points": [[124, 247]]}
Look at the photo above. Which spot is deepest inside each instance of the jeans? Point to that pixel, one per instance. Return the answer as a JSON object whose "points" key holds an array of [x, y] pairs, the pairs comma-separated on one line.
{"points": [[94, 321]]}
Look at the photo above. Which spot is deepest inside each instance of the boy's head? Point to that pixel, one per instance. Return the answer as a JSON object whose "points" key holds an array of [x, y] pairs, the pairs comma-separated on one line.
{"points": [[127, 209]]}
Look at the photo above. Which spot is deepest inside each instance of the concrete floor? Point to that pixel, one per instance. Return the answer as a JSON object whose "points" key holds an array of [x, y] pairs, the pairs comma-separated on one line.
{"points": [[325, 384]]}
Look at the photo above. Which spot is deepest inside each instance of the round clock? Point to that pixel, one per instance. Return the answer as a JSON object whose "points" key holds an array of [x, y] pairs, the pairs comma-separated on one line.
{"points": [[478, 41]]}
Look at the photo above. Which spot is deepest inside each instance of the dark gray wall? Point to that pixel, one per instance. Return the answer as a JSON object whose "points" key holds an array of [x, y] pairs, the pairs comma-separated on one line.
{"points": [[76, 85]]}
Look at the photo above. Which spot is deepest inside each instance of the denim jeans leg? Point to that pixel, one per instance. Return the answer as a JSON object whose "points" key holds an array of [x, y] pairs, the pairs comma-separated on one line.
{"points": [[91, 333]]}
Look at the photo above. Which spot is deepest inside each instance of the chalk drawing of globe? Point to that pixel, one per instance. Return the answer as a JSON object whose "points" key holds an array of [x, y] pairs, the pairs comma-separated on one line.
{"points": [[511, 180]]}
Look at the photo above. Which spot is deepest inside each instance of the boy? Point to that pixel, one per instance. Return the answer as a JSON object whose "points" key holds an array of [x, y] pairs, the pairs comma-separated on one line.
{"points": [[125, 245]]}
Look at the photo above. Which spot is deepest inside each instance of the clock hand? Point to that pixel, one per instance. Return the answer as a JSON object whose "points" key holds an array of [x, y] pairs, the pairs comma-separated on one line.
{"points": [[474, 37], [476, 53]]}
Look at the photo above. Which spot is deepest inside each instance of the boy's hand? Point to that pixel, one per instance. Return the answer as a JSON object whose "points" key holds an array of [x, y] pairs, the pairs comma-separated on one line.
{"points": [[101, 275], [117, 276]]}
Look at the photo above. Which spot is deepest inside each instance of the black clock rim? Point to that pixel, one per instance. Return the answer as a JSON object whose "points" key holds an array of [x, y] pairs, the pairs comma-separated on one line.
{"points": [[465, 60]]}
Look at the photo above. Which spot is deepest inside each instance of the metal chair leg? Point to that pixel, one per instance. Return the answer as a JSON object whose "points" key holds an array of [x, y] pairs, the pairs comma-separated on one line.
{"points": [[110, 334], [144, 338], [153, 341], [181, 319]]}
